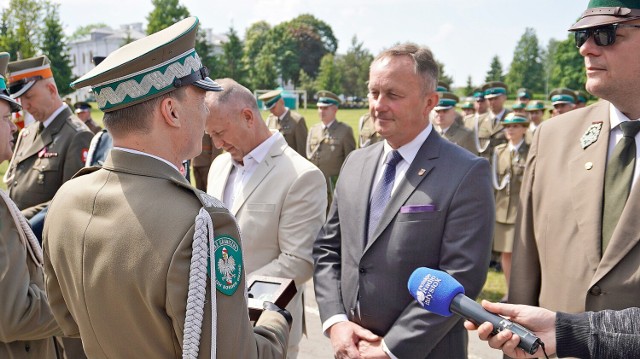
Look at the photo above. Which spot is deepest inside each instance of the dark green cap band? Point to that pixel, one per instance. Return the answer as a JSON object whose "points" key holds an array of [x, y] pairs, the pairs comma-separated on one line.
{"points": [[3, 84], [562, 98], [523, 94], [446, 102], [441, 89], [328, 101], [535, 106], [495, 91], [273, 101], [515, 119]]}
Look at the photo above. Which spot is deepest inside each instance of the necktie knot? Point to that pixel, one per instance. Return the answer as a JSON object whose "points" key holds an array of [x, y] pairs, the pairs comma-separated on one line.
{"points": [[393, 158], [630, 128]]}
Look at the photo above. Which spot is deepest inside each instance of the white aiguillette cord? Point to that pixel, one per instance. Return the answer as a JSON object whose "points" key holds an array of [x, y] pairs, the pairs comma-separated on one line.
{"points": [[196, 297], [26, 234]]}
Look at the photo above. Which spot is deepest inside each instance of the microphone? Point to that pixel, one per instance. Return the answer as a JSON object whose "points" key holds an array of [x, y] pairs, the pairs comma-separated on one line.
{"points": [[440, 293]]}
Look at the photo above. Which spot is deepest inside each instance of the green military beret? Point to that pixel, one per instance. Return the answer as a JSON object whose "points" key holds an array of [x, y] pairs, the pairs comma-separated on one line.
{"points": [[327, 98], [494, 89], [446, 101], [270, 98], [606, 12], [148, 68], [515, 119], [535, 106], [4, 92], [562, 95]]}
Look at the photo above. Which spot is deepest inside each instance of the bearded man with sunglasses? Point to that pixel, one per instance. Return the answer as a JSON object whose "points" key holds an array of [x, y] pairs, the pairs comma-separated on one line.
{"points": [[577, 243]]}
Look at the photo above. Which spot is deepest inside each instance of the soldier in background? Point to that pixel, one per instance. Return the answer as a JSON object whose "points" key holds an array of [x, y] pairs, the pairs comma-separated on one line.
{"points": [[467, 107], [445, 124], [581, 99], [290, 123], [519, 108], [535, 111], [367, 131], [330, 141], [202, 162], [563, 100], [524, 95], [83, 111], [508, 168]]}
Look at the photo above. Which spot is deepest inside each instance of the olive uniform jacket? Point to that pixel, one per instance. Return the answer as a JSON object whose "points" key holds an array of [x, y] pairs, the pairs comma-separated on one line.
{"points": [[489, 132], [461, 136], [512, 164], [41, 163], [368, 135], [557, 260], [329, 150], [27, 325], [118, 245], [293, 128]]}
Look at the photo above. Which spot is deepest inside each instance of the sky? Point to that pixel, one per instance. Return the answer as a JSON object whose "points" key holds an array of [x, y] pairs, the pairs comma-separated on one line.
{"points": [[463, 34]]}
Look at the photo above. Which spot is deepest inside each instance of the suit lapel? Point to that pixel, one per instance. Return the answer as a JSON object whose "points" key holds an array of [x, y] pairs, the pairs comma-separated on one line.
{"points": [[47, 135], [221, 177], [586, 170], [368, 171], [259, 174], [422, 165]]}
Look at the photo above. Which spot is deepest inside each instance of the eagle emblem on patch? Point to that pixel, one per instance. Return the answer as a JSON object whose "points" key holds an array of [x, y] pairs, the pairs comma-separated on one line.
{"points": [[591, 135], [228, 264]]}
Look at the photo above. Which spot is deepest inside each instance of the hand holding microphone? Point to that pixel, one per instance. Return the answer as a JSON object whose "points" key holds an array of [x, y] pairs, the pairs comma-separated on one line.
{"points": [[441, 294]]}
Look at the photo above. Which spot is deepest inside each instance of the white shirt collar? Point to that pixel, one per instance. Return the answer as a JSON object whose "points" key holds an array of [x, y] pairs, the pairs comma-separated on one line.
{"points": [[517, 146], [146, 154], [616, 117], [286, 110], [258, 154], [329, 124], [55, 113], [410, 150]]}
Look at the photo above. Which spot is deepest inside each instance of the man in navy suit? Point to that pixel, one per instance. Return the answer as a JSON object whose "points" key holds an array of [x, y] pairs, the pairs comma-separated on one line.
{"points": [[412, 200]]}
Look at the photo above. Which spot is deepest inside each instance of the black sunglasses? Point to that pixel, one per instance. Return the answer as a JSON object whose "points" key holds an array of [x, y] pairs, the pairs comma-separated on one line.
{"points": [[602, 35]]}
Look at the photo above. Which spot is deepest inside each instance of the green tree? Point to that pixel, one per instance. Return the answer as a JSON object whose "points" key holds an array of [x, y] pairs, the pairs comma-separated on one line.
{"points": [[443, 77], [468, 90], [207, 57], [495, 72], [164, 14], [54, 46], [231, 59], [82, 31], [329, 75], [568, 66], [548, 61], [21, 28], [266, 75], [313, 39], [307, 83], [527, 69], [354, 67]]}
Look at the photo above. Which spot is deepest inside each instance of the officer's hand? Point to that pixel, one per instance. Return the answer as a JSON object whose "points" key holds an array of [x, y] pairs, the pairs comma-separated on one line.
{"points": [[273, 307]]}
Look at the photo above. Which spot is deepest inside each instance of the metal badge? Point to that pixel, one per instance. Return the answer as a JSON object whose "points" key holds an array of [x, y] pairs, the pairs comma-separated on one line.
{"points": [[591, 135], [41, 178]]}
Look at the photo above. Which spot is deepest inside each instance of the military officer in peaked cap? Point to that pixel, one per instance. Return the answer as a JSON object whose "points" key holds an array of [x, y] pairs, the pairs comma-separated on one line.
{"points": [[467, 107], [290, 123], [27, 324], [535, 111], [138, 262], [524, 95], [488, 129], [577, 246], [563, 100], [330, 141], [52, 149], [445, 124], [581, 99], [83, 111]]}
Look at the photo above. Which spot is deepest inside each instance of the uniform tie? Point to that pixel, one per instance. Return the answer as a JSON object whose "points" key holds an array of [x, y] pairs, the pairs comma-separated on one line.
{"points": [[40, 128], [382, 193], [618, 178]]}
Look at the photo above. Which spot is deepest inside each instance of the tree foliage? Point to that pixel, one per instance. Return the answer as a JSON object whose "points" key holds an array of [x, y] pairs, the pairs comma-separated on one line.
{"points": [[164, 14], [21, 28], [527, 69], [495, 72], [468, 90], [54, 46], [231, 60], [442, 76], [329, 75], [567, 69], [354, 67], [82, 31]]}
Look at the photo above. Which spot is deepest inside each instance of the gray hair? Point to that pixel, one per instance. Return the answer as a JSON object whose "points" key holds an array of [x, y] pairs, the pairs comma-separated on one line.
{"points": [[425, 64]]}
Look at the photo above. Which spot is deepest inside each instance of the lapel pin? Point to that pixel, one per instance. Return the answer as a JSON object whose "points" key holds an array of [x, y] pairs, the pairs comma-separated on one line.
{"points": [[588, 165], [591, 135], [421, 172]]}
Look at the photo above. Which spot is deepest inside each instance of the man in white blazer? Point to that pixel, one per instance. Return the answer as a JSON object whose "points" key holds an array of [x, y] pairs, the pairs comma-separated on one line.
{"points": [[278, 197]]}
